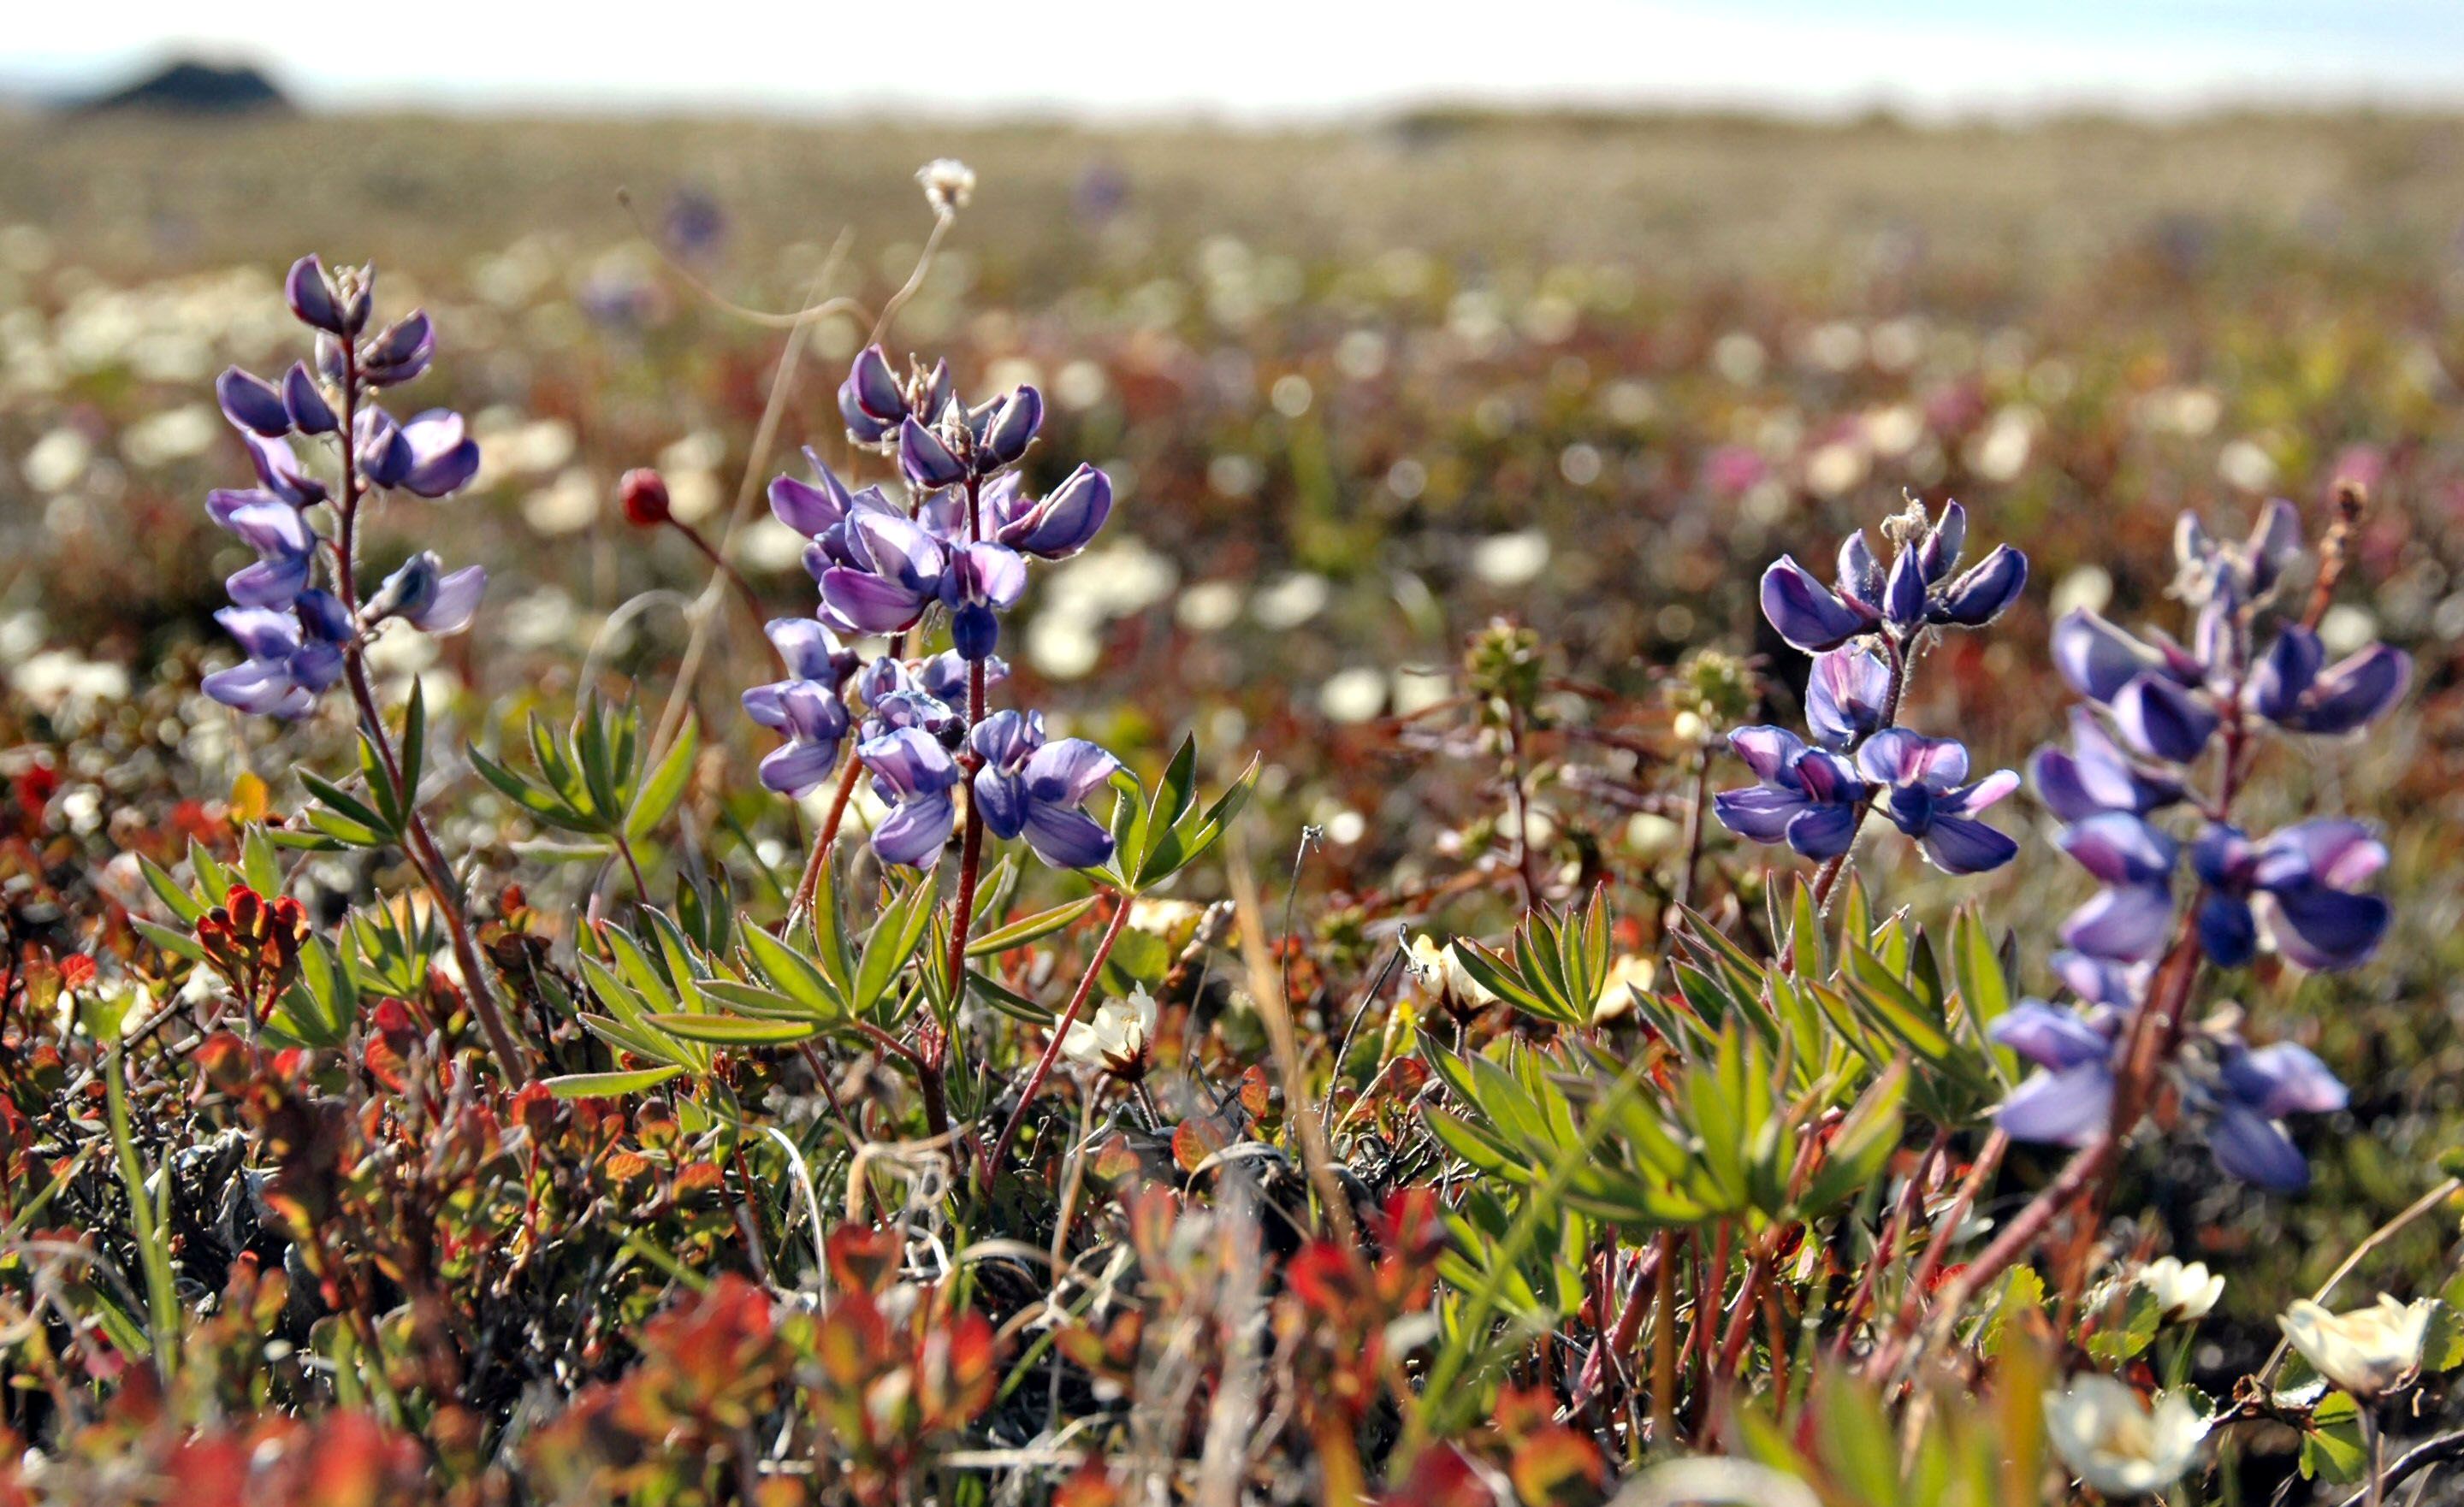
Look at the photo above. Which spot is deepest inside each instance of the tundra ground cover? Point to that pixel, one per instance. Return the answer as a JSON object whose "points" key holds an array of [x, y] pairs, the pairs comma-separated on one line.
{"points": [[812, 1028]]}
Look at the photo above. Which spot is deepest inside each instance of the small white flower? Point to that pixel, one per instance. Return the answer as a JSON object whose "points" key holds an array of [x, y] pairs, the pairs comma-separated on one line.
{"points": [[2184, 1294], [2367, 1351], [2114, 1442], [948, 184], [1443, 976], [1114, 1039]]}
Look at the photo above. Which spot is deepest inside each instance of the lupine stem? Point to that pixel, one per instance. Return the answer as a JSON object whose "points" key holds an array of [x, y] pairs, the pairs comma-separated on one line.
{"points": [[1042, 1069], [1827, 878], [824, 840], [425, 855]]}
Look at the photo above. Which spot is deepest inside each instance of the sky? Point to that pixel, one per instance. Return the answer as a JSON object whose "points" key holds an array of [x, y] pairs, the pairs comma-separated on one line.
{"points": [[1272, 60]]}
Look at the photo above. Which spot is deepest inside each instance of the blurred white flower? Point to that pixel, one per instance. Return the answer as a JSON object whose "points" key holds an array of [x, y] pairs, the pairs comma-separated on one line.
{"points": [[1114, 1039], [1290, 600], [1353, 695], [2367, 1351], [2183, 1293], [1442, 976], [948, 184], [55, 462], [2111, 1440], [1510, 559]]}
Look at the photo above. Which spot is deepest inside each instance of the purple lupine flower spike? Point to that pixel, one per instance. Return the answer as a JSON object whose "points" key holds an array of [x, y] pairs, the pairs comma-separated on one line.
{"points": [[2097, 658], [1807, 797], [290, 662], [2128, 920], [900, 577], [1844, 694], [917, 775], [2068, 1101], [2254, 1091], [1030, 788], [1928, 801]]}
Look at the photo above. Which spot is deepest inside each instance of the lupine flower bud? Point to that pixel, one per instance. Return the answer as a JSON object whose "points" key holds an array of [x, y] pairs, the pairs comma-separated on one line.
{"points": [[399, 352], [252, 402], [386, 456], [925, 461], [1010, 428], [643, 494], [305, 401], [443, 458], [311, 295]]}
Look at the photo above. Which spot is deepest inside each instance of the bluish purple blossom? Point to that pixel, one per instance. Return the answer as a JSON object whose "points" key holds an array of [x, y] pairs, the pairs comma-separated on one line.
{"points": [[1928, 796], [1030, 788], [292, 657], [1845, 693], [915, 774], [806, 706], [285, 546], [1808, 798], [2128, 920], [2301, 883], [1916, 591], [2096, 774], [426, 596], [2292, 685], [2252, 1092], [2068, 1101]]}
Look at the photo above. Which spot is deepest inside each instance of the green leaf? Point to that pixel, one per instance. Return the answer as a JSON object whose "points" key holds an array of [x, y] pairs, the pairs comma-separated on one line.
{"points": [[1019, 933], [893, 941], [666, 786], [609, 1085], [414, 741], [795, 975], [179, 944], [1009, 1002], [175, 898], [735, 1030], [2136, 1331]]}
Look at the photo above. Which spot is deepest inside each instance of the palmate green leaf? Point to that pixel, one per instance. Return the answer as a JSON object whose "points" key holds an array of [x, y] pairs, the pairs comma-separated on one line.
{"points": [[609, 1085], [1190, 836], [595, 754], [347, 809], [1504, 978], [320, 1007], [556, 766], [660, 794], [1172, 796]]}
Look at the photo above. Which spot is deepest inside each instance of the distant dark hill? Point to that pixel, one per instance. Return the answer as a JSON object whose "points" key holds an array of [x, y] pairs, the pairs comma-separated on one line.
{"points": [[187, 87]]}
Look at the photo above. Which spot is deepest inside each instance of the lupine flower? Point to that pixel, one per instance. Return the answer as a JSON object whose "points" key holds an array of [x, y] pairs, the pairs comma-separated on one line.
{"points": [[983, 581], [316, 300], [874, 402], [1844, 694], [2099, 659], [1115, 1038], [2115, 1442], [2069, 1099], [285, 546], [2128, 920], [1808, 798], [292, 656], [278, 470], [2097, 776], [915, 774], [806, 706], [399, 352], [251, 404], [427, 597], [1918, 591], [2303, 879], [899, 577], [2210, 570], [442, 457], [1059, 524], [305, 401], [2183, 1293], [1030, 788], [2293, 687], [1927, 798], [1005, 427], [2253, 1091], [2367, 1352]]}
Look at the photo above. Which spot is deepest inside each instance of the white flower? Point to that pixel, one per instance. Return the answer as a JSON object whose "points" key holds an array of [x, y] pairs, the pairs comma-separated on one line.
{"points": [[1629, 975], [948, 184], [2367, 1351], [2184, 1294], [1115, 1038], [2111, 1440], [1443, 976]]}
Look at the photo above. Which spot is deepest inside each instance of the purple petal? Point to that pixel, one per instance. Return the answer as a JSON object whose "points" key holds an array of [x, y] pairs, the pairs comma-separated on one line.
{"points": [[1823, 832], [924, 460], [875, 387], [909, 765], [2325, 929], [1003, 800], [311, 298], [1983, 592], [1069, 770], [2097, 658], [2071, 1108], [809, 650], [808, 509], [915, 834], [2228, 931], [252, 402], [2050, 1038], [1804, 611], [1068, 518], [1970, 800], [1844, 694], [1903, 594], [1958, 845], [800, 765], [305, 401], [868, 604], [454, 603], [2354, 691], [1768, 750], [1065, 838], [263, 633], [2283, 1080], [2120, 849], [1759, 813], [1860, 574], [1007, 739], [2256, 1149], [2162, 719], [2129, 922]]}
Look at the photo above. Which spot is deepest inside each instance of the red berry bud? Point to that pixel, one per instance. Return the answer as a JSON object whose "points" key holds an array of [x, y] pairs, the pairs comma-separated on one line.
{"points": [[644, 493]]}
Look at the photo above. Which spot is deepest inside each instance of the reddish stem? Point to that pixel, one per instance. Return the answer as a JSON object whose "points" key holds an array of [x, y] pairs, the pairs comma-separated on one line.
{"points": [[1042, 1069]]}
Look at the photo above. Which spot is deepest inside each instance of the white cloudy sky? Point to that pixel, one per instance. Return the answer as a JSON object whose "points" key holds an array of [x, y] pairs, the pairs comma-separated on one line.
{"points": [[1274, 58]]}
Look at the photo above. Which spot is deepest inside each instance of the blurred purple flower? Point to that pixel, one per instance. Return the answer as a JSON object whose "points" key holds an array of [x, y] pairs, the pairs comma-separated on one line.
{"points": [[804, 706], [2128, 920], [2293, 687], [2301, 882], [1844, 694], [915, 774], [2097, 776], [2068, 1101], [292, 658]]}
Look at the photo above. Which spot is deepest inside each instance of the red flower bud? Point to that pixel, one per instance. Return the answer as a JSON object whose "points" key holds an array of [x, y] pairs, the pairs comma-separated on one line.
{"points": [[644, 493]]}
